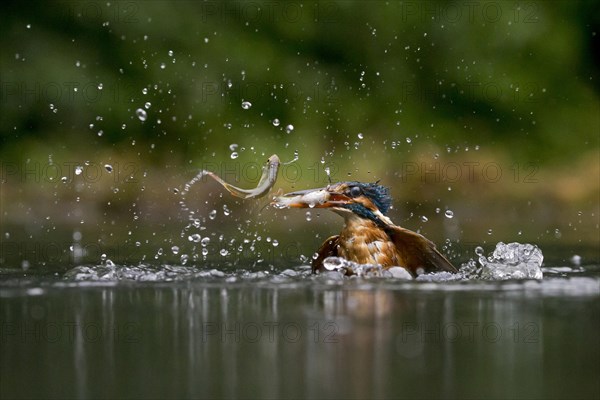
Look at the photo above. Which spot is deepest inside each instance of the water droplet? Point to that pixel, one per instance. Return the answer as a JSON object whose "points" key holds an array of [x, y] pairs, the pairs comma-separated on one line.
{"points": [[275, 243], [308, 216], [449, 214], [233, 146], [408, 140], [170, 53], [276, 122], [234, 155], [204, 251], [490, 231], [162, 66], [424, 218], [108, 168], [360, 136], [479, 251], [205, 241], [212, 214], [246, 105], [194, 238], [64, 179], [78, 170], [141, 114], [175, 250], [100, 86], [557, 233], [223, 252], [289, 128], [147, 105]]}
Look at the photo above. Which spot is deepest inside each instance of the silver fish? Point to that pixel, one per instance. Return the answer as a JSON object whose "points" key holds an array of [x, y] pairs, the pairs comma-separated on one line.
{"points": [[266, 182]]}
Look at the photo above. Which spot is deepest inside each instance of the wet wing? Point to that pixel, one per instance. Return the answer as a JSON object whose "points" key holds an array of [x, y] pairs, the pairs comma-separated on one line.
{"points": [[417, 252], [329, 248]]}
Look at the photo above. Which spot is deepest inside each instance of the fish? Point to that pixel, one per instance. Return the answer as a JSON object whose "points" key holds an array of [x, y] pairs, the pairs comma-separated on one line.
{"points": [[312, 197], [266, 182]]}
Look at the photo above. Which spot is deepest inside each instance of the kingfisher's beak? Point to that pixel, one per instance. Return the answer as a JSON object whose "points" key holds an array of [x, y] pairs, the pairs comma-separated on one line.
{"points": [[312, 198]]}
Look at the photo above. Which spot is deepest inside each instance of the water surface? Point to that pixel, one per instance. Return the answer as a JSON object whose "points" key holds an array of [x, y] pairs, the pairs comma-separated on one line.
{"points": [[281, 334]]}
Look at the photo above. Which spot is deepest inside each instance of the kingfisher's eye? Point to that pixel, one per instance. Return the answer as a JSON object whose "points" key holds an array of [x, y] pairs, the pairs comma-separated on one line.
{"points": [[355, 191]]}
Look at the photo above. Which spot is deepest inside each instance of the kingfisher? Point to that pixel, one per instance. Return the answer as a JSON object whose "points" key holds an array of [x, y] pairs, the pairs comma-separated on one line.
{"points": [[369, 236]]}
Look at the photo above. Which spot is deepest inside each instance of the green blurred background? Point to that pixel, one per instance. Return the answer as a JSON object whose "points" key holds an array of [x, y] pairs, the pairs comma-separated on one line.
{"points": [[487, 109]]}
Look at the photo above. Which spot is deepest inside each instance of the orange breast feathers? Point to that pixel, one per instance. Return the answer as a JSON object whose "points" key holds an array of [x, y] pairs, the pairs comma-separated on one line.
{"points": [[363, 242]]}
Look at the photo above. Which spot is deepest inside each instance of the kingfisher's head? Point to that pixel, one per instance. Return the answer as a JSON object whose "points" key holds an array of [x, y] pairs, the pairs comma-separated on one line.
{"points": [[364, 200]]}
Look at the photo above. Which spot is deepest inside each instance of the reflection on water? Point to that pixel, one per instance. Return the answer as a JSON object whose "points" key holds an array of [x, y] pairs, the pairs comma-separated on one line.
{"points": [[297, 338]]}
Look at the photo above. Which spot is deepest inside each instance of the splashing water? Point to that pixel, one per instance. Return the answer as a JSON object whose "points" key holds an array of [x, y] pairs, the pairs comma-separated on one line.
{"points": [[350, 268], [141, 114], [266, 182], [508, 261], [513, 261]]}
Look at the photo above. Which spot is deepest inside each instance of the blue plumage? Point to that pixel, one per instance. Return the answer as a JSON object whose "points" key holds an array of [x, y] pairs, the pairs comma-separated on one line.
{"points": [[380, 195]]}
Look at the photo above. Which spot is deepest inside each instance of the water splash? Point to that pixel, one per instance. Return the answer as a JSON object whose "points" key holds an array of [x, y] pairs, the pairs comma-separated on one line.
{"points": [[508, 261], [513, 261], [109, 272], [349, 268], [141, 114]]}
